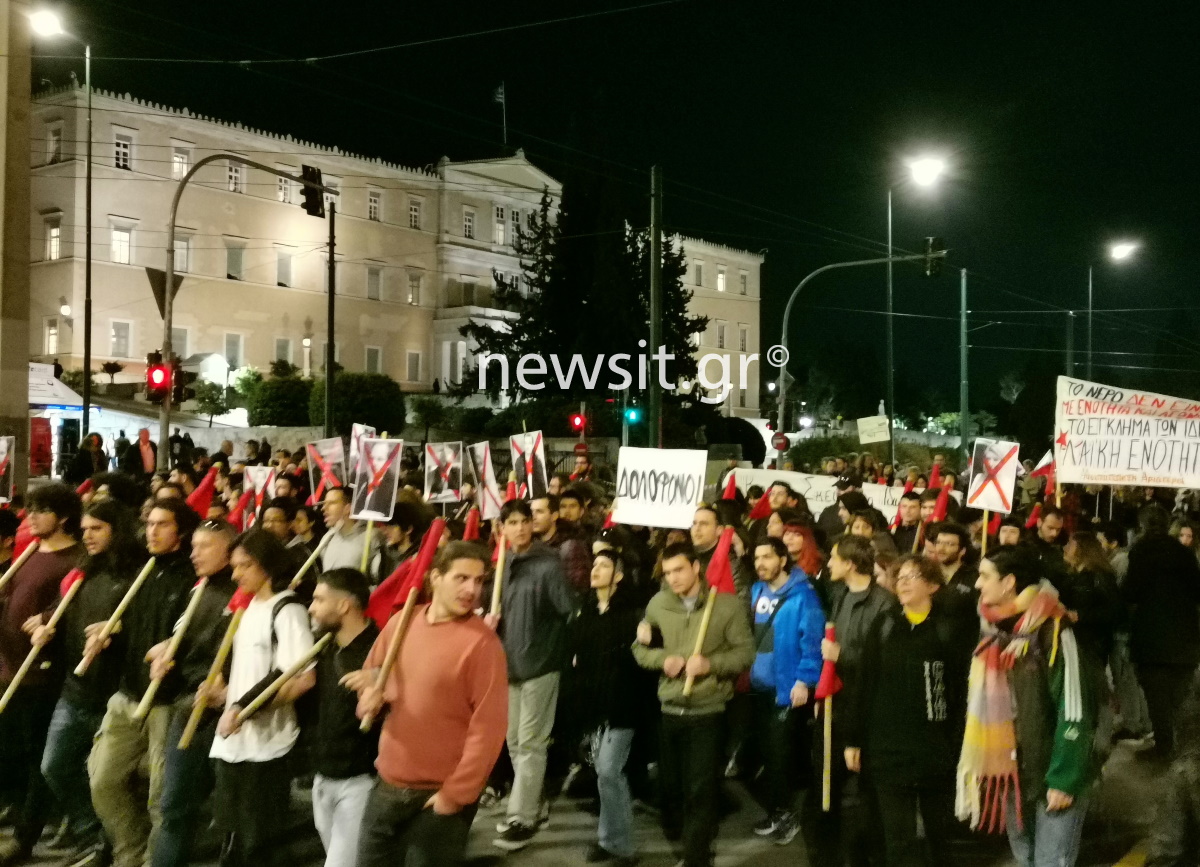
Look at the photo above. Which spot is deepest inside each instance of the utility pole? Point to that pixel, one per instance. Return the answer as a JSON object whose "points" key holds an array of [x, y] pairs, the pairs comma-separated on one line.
{"points": [[329, 346], [964, 416], [1089, 331], [87, 251], [891, 342], [656, 303], [1070, 343]]}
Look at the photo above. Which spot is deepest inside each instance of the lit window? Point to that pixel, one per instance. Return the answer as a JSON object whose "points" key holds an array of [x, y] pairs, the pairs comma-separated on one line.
{"points": [[50, 336], [119, 344], [123, 151], [414, 213], [414, 289], [183, 255], [696, 337], [743, 282], [53, 239], [374, 359], [374, 278], [283, 190], [235, 178], [413, 372], [498, 226], [720, 279], [333, 185], [468, 224], [233, 261], [54, 144], [514, 221], [180, 162], [119, 248], [283, 268], [374, 205]]}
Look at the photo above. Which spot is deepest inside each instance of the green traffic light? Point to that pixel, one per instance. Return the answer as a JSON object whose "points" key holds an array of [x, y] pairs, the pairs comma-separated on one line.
{"points": [[633, 415]]}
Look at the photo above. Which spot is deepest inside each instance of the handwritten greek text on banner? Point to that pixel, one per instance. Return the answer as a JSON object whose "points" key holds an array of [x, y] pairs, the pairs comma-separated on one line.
{"points": [[659, 487], [1120, 436]]}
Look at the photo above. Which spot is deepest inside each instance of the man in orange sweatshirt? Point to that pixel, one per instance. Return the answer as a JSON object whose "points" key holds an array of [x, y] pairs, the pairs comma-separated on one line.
{"points": [[447, 715]]}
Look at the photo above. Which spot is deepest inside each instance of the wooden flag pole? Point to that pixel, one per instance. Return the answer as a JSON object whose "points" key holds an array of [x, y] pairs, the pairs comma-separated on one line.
{"points": [[12, 570], [705, 619], [37, 648], [312, 558], [107, 630], [214, 672], [827, 758], [498, 581], [298, 666], [144, 705], [983, 547], [393, 650]]}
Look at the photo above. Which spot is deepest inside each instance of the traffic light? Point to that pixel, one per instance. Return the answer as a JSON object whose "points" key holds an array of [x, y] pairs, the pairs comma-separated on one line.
{"points": [[158, 378], [935, 252], [578, 422], [181, 381], [633, 414], [314, 199]]}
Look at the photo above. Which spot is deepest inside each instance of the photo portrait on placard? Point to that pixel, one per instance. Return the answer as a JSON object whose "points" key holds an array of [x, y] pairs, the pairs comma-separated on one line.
{"points": [[358, 433], [261, 480], [487, 489], [326, 466], [529, 463], [8, 448], [443, 472], [375, 481]]}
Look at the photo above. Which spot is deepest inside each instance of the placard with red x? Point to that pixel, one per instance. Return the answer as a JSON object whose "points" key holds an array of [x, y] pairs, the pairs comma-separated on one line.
{"points": [[993, 475]]}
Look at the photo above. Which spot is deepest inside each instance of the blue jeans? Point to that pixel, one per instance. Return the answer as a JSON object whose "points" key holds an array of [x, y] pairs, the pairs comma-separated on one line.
{"points": [[187, 781], [64, 764], [616, 804], [1048, 839]]}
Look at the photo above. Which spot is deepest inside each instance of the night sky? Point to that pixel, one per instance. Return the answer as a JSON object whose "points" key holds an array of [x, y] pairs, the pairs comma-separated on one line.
{"points": [[779, 125]]}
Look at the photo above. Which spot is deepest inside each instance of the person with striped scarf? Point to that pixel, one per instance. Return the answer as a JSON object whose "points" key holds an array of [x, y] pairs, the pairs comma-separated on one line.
{"points": [[1027, 760]]}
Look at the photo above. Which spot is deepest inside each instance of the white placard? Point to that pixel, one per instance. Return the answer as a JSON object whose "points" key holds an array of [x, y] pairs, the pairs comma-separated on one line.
{"points": [[659, 487], [1120, 436], [375, 480], [529, 463], [8, 448], [358, 432], [487, 490], [443, 472], [819, 492], [993, 475], [873, 429]]}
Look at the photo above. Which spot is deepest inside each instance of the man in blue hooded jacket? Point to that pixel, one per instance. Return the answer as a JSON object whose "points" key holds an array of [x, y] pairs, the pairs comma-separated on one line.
{"points": [[788, 626]]}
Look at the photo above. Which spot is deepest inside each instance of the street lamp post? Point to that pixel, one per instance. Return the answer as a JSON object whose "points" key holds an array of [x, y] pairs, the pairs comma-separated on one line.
{"points": [[1118, 252]]}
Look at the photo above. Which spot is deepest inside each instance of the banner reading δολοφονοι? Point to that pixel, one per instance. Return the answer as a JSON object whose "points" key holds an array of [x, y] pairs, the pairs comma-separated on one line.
{"points": [[659, 487]]}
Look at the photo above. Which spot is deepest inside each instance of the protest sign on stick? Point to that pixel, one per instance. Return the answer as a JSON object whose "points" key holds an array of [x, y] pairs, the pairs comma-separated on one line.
{"points": [[375, 480], [326, 466], [993, 475], [487, 489], [659, 487], [443, 472], [529, 463]]}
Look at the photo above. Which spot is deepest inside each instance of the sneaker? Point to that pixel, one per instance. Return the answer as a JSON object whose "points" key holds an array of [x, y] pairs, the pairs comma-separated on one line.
{"points": [[786, 829], [543, 819], [767, 826], [515, 838], [490, 798], [505, 824]]}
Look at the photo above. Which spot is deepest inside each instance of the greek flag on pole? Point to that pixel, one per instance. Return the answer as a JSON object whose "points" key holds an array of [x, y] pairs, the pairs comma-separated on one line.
{"points": [[498, 96]]}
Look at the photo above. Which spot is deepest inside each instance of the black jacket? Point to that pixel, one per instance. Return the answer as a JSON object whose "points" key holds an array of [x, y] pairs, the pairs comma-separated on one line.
{"points": [[340, 750], [877, 604], [204, 634], [905, 537], [1094, 596], [151, 618], [102, 590], [535, 605], [1162, 588], [608, 685]]}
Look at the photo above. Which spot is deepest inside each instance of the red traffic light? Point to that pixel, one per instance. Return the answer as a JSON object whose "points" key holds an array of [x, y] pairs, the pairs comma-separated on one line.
{"points": [[578, 421], [157, 376]]}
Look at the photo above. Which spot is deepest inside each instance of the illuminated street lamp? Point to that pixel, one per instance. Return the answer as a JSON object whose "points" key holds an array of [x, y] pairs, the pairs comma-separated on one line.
{"points": [[1122, 250], [927, 170]]}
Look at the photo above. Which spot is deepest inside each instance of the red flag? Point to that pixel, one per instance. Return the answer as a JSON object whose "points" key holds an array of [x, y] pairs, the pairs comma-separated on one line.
{"points": [[942, 505], [72, 577], [829, 683], [409, 576], [1051, 482], [471, 532], [1045, 466], [84, 488], [608, 521], [510, 492], [235, 517], [730, 488], [935, 477], [720, 571], [239, 601], [201, 498], [1033, 516], [993, 526], [762, 509]]}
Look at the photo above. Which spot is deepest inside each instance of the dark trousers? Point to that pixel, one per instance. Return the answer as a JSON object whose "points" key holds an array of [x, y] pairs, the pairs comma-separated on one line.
{"points": [[899, 804], [26, 724], [1165, 687], [776, 730], [187, 780], [849, 833], [689, 767], [64, 764], [398, 831], [251, 809]]}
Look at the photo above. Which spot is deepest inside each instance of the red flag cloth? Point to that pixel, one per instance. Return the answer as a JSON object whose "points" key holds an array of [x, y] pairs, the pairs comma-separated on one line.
{"points": [[23, 539], [84, 488], [72, 577], [510, 492], [762, 509], [201, 499], [1051, 482], [309, 501], [935, 477], [942, 505], [239, 601], [730, 488], [608, 521], [830, 683], [720, 570], [409, 576], [1033, 516], [1045, 466], [993, 526], [471, 532], [236, 516]]}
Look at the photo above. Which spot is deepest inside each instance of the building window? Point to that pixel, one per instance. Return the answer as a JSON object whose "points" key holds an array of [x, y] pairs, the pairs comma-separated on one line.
{"points": [[337, 353], [333, 185], [531, 220], [374, 205], [741, 398], [743, 339], [235, 178], [743, 282], [498, 226], [120, 246], [180, 162], [374, 278], [699, 272], [696, 338], [414, 213], [50, 336], [119, 344], [233, 260], [514, 222], [720, 336], [283, 190], [53, 239], [374, 359], [468, 290], [283, 267], [123, 151], [54, 143], [183, 255], [283, 349], [414, 289], [720, 279], [469, 223], [235, 350], [413, 371], [179, 342]]}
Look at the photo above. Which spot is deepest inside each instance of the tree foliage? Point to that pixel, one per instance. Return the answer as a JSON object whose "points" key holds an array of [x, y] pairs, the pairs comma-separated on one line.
{"points": [[211, 399], [282, 401], [281, 368], [367, 398], [112, 368]]}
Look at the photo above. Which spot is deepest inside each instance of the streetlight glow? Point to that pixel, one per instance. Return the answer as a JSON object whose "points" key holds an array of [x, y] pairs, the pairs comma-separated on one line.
{"points": [[1122, 250], [771, 387], [46, 23], [64, 309], [927, 170]]}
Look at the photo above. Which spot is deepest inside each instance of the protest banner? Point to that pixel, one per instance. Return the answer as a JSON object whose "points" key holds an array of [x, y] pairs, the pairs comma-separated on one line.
{"points": [[375, 480], [326, 466], [8, 447], [1121, 436], [261, 480], [443, 472], [873, 429], [358, 432], [819, 491], [487, 489], [659, 487], [529, 463], [993, 475]]}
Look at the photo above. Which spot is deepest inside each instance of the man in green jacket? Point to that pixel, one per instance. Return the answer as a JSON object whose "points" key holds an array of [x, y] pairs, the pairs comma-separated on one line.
{"points": [[692, 736]]}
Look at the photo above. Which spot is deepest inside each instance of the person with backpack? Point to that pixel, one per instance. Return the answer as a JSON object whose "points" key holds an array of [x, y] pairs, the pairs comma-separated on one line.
{"points": [[252, 770], [788, 627]]}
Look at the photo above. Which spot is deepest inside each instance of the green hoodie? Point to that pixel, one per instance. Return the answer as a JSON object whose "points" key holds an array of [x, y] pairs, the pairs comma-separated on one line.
{"points": [[728, 646]]}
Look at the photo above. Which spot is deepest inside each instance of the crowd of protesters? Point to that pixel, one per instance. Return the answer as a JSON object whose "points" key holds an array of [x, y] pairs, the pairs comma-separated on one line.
{"points": [[881, 687]]}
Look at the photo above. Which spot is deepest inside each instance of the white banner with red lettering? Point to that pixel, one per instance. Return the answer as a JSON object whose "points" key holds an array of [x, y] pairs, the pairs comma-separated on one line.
{"points": [[819, 491]]}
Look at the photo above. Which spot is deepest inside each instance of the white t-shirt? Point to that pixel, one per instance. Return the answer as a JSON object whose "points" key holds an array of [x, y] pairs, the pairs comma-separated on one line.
{"points": [[272, 732]]}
